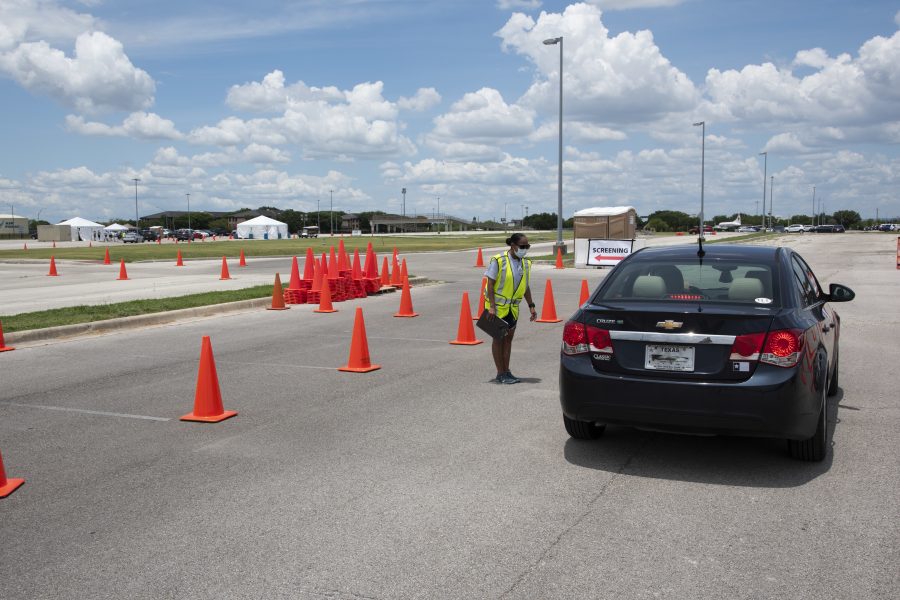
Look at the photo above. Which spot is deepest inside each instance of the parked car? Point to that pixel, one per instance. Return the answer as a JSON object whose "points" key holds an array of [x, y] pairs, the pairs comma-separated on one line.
{"points": [[132, 237], [794, 229], [808, 228], [184, 234], [696, 229], [741, 340], [824, 229], [149, 235], [748, 229]]}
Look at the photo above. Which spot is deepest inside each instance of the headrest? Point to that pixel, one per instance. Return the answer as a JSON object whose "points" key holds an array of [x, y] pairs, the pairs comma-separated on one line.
{"points": [[649, 286], [745, 288]]}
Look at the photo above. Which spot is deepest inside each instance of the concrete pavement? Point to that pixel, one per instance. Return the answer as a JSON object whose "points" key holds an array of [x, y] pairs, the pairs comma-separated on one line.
{"points": [[424, 480]]}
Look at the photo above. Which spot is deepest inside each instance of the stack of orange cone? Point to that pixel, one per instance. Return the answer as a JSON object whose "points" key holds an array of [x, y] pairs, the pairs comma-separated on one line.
{"points": [[243, 261], [333, 266], [325, 305], [52, 272], [465, 333], [559, 262], [396, 275], [309, 265], [317, 278], [7, 486], [385, 277], [225, 274], [179, 262], [548, 308], [123, 274], [356, 272], [585, 292], [295, 275], [359, 361], [3, 346], [208, 397], [479, 262], [278, 295], [106, 260], [406, 307]]}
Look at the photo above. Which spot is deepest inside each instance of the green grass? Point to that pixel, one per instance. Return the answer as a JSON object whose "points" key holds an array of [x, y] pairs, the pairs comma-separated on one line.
{"points": [[87, 314], [568, 259], [258, 248], [743, 238]]}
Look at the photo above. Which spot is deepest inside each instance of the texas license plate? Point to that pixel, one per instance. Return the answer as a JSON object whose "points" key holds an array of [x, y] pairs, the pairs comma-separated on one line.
{"points": [[666, 357]]}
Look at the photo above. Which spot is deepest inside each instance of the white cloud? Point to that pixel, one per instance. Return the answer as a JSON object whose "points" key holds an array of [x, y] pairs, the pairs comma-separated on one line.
{"points": [[629, 4], [785, 143], [484, 115], [32, 20], [518, 4], [139, 125], [259, 153], [271, 94], [608, 80], [897, 18], [423, 99], [577, 131], [98, 77]]}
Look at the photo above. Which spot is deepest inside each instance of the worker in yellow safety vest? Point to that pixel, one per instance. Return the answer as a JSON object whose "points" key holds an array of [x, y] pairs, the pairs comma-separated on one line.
{"points": [[508, 275]]}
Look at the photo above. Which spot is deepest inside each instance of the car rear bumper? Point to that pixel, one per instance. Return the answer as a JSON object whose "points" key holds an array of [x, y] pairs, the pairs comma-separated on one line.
{"points": [[773, 402]]}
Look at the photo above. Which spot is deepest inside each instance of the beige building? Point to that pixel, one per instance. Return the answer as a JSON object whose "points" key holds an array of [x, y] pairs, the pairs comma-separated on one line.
{"points": [[13, 226]]}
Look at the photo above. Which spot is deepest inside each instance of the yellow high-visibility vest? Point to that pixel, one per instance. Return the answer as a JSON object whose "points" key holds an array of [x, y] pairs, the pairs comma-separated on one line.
{"points": [[505, 297]]}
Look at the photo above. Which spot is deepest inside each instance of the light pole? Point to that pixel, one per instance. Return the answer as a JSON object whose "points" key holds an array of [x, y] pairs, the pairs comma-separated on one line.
{"points": [[765, 156], [559, 218], [403, 215], [331, 213], [505, 222], [702, 125], [814, 206], [439, 212], [137, 223], [190, 233], [771, 199]]}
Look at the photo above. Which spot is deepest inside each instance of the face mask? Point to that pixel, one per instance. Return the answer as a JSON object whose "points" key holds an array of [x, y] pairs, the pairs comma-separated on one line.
{"points": [[521, 252]]}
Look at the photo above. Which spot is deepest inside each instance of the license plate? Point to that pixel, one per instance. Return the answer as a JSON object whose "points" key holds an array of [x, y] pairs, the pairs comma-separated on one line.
{"points": [[666, 357]]}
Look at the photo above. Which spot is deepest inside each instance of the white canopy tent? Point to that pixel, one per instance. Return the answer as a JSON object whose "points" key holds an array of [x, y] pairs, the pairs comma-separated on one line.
{"points": [[82, 229], [262, 228], [115, 227]]}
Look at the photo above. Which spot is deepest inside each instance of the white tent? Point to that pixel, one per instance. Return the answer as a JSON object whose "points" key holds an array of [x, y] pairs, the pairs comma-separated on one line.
{"points": [[115, 227], [262, 228], [82, 229]]}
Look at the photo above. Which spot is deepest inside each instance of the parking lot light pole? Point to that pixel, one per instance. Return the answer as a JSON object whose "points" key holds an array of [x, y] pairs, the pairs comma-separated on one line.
{"points": [[137, 223], [813, 222], [702, 125], [331, 213], [189, 213], [771, 199], [403, 215], [765, 156], [559, 216]]}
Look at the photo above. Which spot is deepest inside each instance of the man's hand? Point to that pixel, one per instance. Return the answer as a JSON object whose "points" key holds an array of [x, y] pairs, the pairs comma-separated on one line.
{"points": [[492, 311], [533, 313]]}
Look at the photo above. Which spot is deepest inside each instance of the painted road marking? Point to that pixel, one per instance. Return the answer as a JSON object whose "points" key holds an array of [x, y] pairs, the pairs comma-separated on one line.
{"points": [[85, 411]]}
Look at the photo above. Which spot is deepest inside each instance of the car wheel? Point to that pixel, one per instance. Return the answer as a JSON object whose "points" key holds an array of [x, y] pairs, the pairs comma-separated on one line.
{"points": [[833, 382], [582, 430], [815, 448]]}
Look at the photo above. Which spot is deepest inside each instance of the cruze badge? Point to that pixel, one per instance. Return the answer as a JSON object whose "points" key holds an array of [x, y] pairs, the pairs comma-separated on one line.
{"points": [[669, 325]]}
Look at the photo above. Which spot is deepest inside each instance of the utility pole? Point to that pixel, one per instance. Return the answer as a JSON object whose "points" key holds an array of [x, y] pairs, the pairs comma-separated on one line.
{"points": [[765, 156], [331, 212], [702, 125], [771, 199], [137, 223], [814, 204], [189, 214]]}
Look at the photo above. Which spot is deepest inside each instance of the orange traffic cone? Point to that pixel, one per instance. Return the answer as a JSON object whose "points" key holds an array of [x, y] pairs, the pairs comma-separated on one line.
{"points": [[333, 266], [225, 275], [295, 275], [480, 308], [385, 277], [25, 246], [325, 305], [371, 264], [465, 333], [3, 346], [479, 262], [159, 241], [403, 272], [309, 265], [106, 260], [585, 292], [317, 277], [548, 308], [208, 397], [90, 244], [359, 361], [406, 307], [243, 261], [179, 262], [54, 243], [559, 263], [278, 295], [395, 254], [123, 274], [7, 486], [396, 275], [52, 272], [343, 258], [356, 272]]}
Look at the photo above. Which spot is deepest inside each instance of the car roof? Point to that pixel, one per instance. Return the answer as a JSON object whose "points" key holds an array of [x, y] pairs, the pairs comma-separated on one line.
{"points": [[713, 252]]}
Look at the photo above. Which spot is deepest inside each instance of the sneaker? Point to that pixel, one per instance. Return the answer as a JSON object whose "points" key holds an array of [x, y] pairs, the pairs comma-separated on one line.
{"points": [[500, 378], [512, 378]]}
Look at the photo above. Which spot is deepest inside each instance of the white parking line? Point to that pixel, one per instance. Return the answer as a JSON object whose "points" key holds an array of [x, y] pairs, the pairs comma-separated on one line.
{"points": [[87, 412]]}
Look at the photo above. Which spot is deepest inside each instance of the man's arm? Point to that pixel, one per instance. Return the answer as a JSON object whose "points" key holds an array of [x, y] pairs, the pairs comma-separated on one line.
{"points": [[492, 303], [530, 303]]}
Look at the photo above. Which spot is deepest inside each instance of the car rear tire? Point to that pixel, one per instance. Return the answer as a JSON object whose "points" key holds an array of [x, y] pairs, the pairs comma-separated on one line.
{"points": [[582, 430], [833, 382], [815, 448]]}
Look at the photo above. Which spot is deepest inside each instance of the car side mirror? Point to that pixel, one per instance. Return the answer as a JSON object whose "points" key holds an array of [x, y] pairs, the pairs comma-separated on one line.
{"points": [[840, 293]]}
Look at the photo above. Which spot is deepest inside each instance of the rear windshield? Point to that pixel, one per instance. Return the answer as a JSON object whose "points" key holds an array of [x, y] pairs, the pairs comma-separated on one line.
{"points": [[713, 281]]}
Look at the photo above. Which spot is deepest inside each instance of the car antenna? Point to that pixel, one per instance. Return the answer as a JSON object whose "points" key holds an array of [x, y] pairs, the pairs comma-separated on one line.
{"points": [[700, 252]]}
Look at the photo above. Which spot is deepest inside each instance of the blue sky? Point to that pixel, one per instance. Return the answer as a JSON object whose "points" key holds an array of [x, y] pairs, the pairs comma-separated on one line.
{"points": [[272, 103]]}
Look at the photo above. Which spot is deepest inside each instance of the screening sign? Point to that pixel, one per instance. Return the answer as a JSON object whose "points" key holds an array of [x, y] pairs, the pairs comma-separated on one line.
{"points": [[608, 253]]}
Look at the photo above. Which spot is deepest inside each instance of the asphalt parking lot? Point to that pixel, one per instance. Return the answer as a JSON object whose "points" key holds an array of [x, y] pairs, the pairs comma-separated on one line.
{"points": [[423, 479]]}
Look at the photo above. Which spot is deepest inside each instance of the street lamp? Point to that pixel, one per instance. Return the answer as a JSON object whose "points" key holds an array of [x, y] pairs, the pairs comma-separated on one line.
{"points": [[702, 125], [771, 199], [765, 156], [814, 206], [331, 213], [559, 218], [137, 224], [190, 233]]}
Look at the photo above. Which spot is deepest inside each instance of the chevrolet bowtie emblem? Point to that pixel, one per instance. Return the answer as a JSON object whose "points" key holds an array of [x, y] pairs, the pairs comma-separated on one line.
{"points": [[668, 325]]}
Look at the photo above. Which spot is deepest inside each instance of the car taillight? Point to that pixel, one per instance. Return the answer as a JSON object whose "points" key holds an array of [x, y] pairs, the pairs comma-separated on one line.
{"points": [[783, 347], [747, 346], [575, 339], [600, 340]]}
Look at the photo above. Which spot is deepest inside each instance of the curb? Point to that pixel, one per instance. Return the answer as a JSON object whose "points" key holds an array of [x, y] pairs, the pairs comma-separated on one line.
{"points": [[159, 318]]}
